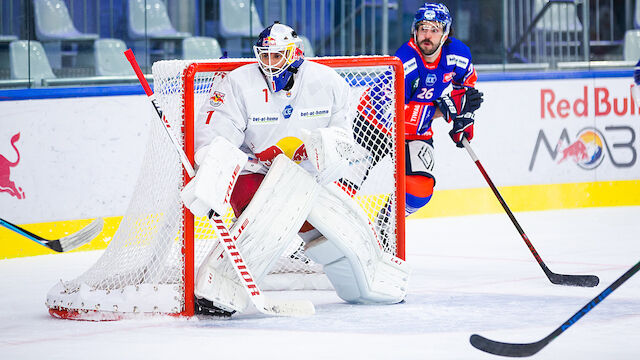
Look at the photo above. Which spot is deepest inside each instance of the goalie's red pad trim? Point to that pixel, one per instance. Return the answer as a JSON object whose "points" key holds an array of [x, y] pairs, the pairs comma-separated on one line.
{"points": [[243, 192]]}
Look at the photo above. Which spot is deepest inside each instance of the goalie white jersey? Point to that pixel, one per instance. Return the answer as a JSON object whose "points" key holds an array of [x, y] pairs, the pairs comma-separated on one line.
{"points": [[243, 109]]}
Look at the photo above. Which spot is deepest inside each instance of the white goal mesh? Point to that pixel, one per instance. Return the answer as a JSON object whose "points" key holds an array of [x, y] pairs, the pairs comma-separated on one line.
{"points": [[150, 263]]}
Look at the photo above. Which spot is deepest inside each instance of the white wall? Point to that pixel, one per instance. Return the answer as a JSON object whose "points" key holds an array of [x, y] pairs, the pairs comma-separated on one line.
{"points": [[79, 157]]}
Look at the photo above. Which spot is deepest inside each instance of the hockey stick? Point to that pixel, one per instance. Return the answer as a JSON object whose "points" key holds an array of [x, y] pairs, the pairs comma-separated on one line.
{"points": [[65, 243], [523, 350], [264, 304], [558, 279]]}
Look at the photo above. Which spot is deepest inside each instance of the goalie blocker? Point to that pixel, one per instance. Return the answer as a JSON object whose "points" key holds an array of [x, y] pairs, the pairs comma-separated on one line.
{"points": [[352, 256]]}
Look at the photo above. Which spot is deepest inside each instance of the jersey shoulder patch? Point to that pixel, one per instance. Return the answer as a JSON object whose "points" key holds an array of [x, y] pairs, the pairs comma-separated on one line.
{"points": [[457, 60], [457, 54], [410, 66]]}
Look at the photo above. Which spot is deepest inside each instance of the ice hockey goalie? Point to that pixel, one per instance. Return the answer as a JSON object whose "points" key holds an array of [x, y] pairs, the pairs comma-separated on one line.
{"points": [[272, 142]]}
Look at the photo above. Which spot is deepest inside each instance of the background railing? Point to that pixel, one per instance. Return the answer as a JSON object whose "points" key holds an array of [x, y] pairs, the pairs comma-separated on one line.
{"points": [[44, 41]]}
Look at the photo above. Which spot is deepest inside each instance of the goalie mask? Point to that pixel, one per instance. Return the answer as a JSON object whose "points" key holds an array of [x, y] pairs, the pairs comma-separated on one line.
{"points": [[431, 13], [280, 53]]}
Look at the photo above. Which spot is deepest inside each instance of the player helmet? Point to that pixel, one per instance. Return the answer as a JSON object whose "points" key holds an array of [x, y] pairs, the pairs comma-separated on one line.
{"points": [[280, 52], [433, 12]]}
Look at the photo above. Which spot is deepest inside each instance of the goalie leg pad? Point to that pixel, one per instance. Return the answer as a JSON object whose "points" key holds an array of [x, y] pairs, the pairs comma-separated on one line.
{"points": [[266, 228], [350, 253]]}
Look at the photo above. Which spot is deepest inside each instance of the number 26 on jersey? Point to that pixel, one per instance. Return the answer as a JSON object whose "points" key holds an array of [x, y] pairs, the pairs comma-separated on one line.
{"points": [[426, 93]]}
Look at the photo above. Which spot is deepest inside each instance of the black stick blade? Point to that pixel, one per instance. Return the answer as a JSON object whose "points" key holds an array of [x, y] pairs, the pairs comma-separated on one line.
{"points": [[506, 349], [574, 280]]}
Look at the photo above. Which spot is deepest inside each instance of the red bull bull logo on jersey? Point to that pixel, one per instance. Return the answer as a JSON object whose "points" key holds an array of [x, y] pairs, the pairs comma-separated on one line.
{"points": [[291, 146], [217, 99], [6, 184]]}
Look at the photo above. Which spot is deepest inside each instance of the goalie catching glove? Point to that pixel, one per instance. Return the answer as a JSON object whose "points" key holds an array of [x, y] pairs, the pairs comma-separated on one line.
{"points": [[459, 106]]}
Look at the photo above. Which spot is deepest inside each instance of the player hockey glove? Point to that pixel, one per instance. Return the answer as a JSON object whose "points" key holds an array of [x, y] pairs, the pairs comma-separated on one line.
{"points": [[459, 106], [462, 128], [459, 102]]}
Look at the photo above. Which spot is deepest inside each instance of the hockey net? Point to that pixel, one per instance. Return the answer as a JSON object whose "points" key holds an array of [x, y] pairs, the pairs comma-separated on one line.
{"points": [[149, 265]]}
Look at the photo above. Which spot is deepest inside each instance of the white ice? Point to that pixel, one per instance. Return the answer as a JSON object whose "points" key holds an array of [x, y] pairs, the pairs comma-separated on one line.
{"points": [[471, 274]]}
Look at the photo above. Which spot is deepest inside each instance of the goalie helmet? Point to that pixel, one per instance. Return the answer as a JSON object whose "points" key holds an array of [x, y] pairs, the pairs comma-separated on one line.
{"points": [[433, 12], [280, 52]]}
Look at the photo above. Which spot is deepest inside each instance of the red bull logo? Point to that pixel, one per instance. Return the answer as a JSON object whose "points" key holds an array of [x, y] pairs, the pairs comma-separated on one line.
{"points": [[217, 98], [269, 41], [6, 185], [291, 146], [587, 151], [591, 146]]}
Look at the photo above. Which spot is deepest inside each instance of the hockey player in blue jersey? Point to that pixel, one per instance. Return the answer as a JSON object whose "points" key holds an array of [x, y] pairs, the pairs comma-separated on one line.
{"points": [[434, 61]]}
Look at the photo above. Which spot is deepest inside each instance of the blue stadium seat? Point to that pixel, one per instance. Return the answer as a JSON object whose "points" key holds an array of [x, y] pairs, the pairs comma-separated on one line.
{"points": [[631, 45], [308, 48], [239, 26], [53, 22], [235, 19], [158, 25], [22, 67], [200, 47], [110, 59], [636, 16], [560, 17]]}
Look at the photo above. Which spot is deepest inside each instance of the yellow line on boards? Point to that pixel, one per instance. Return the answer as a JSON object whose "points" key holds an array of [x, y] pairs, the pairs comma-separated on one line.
{"points": [[476, 201], [13, 245], [457, 202]]}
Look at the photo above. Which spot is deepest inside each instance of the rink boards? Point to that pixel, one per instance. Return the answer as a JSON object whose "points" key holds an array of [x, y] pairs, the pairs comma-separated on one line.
{"points": [[554, 143]]}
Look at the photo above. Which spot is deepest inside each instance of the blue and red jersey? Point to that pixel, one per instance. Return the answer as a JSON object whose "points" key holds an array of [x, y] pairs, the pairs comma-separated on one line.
{"points": [[425, 82]]}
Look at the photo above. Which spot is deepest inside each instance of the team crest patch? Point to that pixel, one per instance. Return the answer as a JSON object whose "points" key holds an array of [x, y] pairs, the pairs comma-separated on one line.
{"points": [[431, 79], [217, 99], [288, 110]]}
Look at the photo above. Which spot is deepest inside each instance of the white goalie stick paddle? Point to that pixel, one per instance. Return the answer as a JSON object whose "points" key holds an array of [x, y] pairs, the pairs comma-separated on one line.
{"points": [[66, 243], [262, 303]]}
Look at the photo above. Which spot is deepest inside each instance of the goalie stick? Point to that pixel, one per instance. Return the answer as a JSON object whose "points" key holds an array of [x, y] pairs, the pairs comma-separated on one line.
{"points": [[558, 279], [66, 243], [523, 350], [264, 304]]}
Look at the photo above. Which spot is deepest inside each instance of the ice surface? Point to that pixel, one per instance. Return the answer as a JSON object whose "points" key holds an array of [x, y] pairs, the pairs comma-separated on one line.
{"points": [[471, 274]]}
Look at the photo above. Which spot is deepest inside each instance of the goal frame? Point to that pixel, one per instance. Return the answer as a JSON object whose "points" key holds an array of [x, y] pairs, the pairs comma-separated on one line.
{"points": [[188, 129]]}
